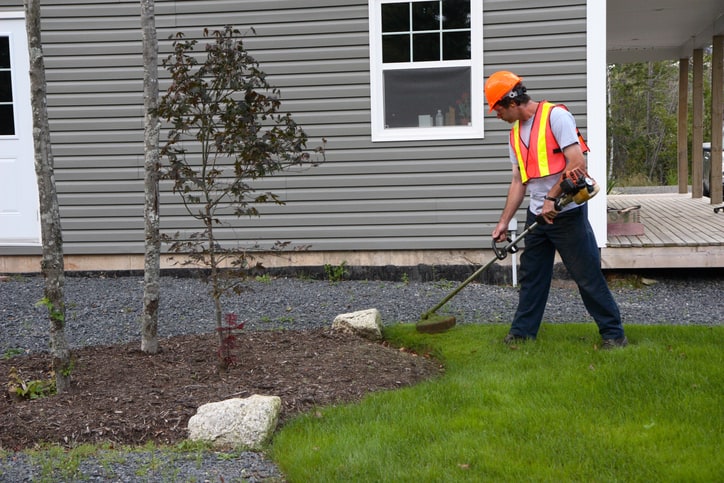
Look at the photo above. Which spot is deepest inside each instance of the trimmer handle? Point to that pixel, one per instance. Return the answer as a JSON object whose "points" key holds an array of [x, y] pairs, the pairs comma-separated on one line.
{"points": [[501, 252]]}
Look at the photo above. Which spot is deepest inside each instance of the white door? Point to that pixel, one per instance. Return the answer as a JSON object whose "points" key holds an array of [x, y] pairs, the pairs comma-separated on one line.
{"points": [[19, 220]]}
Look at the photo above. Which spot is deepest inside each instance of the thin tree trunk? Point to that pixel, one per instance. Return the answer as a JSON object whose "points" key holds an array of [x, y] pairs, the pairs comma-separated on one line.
{"points": [[152, 259], [52, 264], [611, 145], [216, 291], [650, 157]]}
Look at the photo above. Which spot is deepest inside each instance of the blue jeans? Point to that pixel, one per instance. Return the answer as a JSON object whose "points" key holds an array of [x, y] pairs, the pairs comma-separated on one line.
{"points": [[572, 236]]}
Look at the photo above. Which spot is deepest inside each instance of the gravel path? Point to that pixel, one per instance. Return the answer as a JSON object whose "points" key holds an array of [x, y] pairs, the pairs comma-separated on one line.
{"points": [[106, 310]]}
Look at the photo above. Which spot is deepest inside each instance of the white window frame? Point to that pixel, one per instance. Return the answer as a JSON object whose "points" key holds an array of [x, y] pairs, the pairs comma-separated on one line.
{"points": [[377, 105]]}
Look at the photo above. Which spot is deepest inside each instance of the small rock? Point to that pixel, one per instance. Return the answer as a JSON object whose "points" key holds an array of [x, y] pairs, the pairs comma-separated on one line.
{"points": [[366, 323]]}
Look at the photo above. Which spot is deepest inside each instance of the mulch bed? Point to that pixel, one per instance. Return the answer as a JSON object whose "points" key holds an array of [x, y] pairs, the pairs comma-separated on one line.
{"points": [[124, 396]]}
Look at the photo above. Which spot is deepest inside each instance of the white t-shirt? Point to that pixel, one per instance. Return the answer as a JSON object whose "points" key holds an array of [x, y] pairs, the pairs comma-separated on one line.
{"points": [[563, 126]]}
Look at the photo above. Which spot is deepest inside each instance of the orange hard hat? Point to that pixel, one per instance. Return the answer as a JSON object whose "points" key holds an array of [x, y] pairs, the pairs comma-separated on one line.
{"points": [[499, 85]]}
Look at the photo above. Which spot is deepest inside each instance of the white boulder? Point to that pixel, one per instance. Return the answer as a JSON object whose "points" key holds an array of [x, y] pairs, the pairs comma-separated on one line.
{"points": [[366, 323], [248, 422]]}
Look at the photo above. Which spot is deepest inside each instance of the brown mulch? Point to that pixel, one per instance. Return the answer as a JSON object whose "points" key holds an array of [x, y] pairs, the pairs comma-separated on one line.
{"points": [[121, 395]]}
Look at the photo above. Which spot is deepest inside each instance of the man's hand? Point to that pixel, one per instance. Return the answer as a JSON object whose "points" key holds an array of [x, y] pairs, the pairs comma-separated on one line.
{"points": [[548, 212], [500, 234]]}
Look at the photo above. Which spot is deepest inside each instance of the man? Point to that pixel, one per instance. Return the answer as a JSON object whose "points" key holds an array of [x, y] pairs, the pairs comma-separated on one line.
{"points": [[544, 144]]}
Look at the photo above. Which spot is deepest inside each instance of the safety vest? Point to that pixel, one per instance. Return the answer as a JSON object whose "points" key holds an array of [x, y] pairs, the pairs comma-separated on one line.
{"points": [[546, 157]]}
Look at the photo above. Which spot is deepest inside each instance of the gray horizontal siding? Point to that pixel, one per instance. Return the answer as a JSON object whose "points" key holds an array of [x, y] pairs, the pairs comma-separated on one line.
{"points": [[367, 196]]}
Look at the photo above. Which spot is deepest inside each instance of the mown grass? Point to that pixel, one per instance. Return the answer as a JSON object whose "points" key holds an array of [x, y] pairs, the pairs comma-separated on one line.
{"points": [[553, 410]]}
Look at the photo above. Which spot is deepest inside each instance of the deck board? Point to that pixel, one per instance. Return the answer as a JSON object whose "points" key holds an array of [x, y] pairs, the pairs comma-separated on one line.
{"points": [[670, 219], [679, 231]]}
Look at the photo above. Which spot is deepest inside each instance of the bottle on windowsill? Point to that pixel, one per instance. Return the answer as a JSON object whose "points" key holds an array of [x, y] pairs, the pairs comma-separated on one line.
{"points": [[438, 118]]}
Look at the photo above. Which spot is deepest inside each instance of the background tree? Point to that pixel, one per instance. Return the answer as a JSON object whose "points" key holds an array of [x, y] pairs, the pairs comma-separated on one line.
{"points": [[225, 132], [642, 121], [152, 259], [52, 265]]}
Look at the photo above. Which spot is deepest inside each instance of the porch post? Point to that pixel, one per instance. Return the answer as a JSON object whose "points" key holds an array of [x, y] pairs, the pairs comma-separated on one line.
{"points": [[717, 111], [697, 138]]}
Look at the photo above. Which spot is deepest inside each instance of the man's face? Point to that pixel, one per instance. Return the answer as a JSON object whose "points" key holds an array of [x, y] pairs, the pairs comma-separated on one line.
{"points": [[506, 113]]}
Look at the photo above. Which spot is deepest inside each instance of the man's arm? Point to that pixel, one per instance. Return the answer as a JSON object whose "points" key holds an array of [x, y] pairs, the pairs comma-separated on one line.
{"points": [[516, 193], [574, 159], [564, 129]]}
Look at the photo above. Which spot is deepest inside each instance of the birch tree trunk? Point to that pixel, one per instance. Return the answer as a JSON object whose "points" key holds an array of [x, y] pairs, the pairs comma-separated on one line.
{"points": [[52, 264], [152, 260]]}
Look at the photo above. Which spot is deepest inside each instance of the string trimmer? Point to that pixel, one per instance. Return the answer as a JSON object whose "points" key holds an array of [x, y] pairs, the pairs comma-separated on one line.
{"points": [[577, 187]]}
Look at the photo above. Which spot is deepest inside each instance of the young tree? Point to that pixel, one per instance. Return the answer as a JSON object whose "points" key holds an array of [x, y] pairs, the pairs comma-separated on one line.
{"points": [[52, 264], [152, 259], [225, 132]]}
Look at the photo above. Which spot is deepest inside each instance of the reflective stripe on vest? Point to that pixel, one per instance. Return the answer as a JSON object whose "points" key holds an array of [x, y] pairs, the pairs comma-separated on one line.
{"points": [[546, 158]]}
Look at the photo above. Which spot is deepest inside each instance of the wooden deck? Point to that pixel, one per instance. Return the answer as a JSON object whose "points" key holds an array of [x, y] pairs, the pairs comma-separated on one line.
{"points": [[678, 232]]}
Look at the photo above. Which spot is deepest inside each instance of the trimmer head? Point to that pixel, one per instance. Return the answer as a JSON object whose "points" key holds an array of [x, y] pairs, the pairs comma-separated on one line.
{"points": [[434, 324]]}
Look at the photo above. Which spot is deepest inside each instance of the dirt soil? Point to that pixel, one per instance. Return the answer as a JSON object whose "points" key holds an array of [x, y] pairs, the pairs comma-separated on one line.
{"points": [[123, 396]]}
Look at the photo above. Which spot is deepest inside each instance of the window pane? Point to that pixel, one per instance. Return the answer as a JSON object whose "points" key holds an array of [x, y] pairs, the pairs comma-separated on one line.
{"points": [[455, 45], [7, 125], [456, 14], [6, 87], [414, 96], [426, 16], [425, 47], [4, 53], [396, 48], [396, 17]]}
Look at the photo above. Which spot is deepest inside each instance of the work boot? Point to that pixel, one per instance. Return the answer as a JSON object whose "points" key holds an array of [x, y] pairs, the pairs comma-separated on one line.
{"points": [[609, 344], [512, 339]]}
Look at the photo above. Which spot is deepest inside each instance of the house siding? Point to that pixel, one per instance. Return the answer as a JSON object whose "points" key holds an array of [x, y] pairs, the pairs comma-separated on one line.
{"points": [[422, 195]]}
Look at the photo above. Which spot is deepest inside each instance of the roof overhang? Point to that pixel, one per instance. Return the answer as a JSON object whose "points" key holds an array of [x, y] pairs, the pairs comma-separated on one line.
{"points": [[649, 30]]}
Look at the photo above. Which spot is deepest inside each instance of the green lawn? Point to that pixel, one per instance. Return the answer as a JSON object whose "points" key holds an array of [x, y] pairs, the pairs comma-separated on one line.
{"points": [[552, 410]]}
